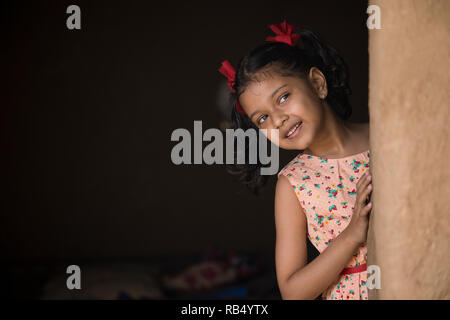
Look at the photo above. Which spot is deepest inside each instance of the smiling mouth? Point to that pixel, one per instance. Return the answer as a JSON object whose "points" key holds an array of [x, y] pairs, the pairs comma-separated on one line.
{"points": [[294, 129]]}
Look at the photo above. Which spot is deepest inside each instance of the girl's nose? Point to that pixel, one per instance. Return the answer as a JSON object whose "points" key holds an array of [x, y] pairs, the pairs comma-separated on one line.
{"points": [[278, 120]]}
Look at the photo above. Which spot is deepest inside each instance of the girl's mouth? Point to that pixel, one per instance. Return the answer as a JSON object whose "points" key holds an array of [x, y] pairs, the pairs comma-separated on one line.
{"points": [[294, 131]]}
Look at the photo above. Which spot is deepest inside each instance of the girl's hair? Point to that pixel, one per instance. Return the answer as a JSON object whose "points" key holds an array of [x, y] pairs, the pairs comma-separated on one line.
{"points": [[289, 60]]}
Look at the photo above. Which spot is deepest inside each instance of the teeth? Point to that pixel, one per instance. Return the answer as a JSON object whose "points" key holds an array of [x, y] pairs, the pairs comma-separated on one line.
{"points": [[293, 129]]}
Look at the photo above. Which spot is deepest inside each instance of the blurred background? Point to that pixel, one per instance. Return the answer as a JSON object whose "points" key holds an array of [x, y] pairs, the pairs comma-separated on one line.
{"points": [[87, 117]]}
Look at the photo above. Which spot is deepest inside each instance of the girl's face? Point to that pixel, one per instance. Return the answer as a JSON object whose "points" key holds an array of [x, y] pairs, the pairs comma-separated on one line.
{"points": [[289, 104]]}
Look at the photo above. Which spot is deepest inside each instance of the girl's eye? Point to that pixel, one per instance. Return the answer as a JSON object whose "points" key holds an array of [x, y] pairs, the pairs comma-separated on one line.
{"points": [[261, 120], [283, 98]]}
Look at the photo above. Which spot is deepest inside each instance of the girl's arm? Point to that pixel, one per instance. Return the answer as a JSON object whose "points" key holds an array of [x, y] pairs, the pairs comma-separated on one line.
{"points": [[297, 279]]}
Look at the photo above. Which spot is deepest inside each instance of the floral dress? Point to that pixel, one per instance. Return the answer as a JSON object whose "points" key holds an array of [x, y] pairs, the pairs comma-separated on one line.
{"points": [[326, 190]]}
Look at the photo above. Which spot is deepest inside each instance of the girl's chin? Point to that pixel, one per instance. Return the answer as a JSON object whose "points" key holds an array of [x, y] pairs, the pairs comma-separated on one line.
{"points": [[290, 145]]}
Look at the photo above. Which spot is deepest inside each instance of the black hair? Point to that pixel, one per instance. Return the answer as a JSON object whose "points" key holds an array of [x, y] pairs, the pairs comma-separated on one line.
{"points": [[288, 60]]}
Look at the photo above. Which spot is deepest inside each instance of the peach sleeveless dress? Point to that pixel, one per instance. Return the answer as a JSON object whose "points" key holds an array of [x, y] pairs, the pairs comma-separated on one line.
{"points": [[326, 190]]}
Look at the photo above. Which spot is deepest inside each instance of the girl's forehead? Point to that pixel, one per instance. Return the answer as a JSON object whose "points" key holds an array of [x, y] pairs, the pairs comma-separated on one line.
{"points": [[263, 75], [266, 85], [268, 72], [259, 93], [262, 87]]}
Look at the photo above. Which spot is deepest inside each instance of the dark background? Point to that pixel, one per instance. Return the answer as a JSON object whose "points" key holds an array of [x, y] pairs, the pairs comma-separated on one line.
{"points": [[87, 117]]}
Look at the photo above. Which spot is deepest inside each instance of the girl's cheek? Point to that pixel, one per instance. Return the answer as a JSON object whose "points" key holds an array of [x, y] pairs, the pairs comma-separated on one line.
{"points": [[296, 104], [272, 135]]}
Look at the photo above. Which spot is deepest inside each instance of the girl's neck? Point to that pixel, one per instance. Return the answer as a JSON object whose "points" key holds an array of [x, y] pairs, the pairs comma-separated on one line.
{"points": [[337, 138]]}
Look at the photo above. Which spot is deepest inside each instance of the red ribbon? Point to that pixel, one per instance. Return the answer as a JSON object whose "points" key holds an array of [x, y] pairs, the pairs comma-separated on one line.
{"points": [[228, 71], [284, 33], [360, 268]]}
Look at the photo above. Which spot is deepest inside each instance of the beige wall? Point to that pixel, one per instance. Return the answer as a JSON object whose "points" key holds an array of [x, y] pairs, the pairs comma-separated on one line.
{"points": [[409, 94]]}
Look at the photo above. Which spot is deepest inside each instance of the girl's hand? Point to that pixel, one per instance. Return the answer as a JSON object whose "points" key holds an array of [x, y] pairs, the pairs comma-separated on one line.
{"points": [[357, 228]]}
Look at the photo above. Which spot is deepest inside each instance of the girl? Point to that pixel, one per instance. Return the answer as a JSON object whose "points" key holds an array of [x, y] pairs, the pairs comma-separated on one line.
{"points": [[298, 84]]}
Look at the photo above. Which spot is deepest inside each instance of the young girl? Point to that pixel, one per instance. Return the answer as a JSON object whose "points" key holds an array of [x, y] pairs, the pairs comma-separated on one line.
{"points": [[299, 85]]}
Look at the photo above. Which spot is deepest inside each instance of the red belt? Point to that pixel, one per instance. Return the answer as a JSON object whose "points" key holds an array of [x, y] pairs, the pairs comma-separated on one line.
{"points": [[357, 269]]}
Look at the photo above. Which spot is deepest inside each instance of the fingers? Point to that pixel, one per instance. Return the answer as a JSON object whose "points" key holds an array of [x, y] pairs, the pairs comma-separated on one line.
{"points": [[363, 179], [362, 186], [365, 193], [365, 210], [367, 179]]}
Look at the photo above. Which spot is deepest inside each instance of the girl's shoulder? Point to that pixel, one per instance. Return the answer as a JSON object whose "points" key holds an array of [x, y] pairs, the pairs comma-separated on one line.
{"points": [[300, 161]]}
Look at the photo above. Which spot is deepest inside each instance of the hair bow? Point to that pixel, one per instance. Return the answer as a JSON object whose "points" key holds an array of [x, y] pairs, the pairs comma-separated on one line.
{"points": [[284, 33], [228, 71]]}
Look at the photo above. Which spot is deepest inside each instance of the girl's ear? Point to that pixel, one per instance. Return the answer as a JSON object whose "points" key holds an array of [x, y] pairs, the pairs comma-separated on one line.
{"points": [[318, 82]]}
